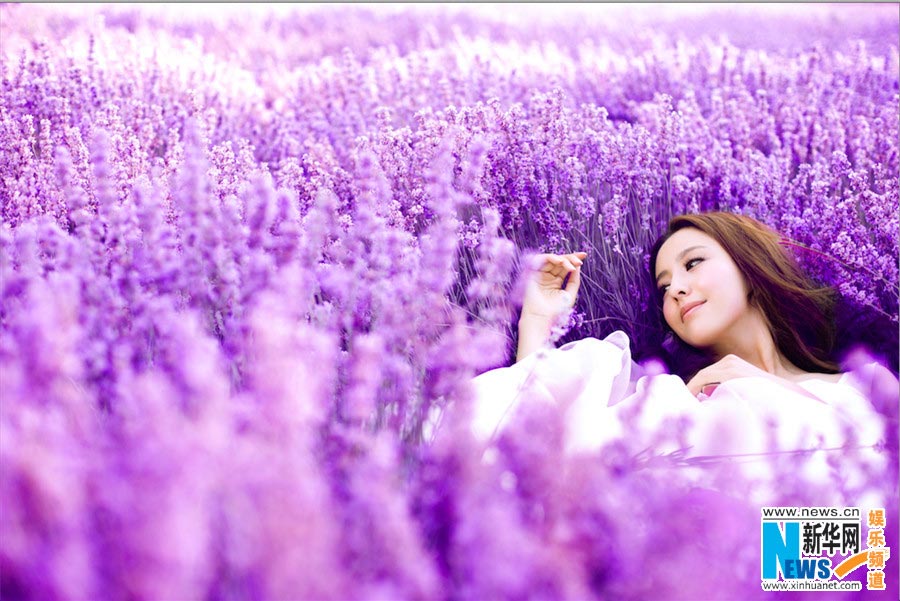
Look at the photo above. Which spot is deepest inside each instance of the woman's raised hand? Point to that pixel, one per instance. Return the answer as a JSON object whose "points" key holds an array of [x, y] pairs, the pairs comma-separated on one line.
{"points": [[545, 296]]}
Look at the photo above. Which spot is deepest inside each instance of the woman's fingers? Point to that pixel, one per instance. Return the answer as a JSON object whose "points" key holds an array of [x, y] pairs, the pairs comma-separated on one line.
{"points": [[558, 265], [554, 279], [570, 261], [573, 283], [541, 261]]}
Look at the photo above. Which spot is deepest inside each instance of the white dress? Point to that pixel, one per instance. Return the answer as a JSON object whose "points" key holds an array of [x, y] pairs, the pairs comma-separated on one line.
{"points": [[742, 425]]}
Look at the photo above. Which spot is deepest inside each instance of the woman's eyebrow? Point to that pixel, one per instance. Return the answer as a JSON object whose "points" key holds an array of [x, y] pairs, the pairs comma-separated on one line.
{"points": [[678, 257]]}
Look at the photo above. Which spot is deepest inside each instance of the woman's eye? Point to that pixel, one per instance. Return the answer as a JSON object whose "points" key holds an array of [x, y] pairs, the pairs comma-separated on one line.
{"points": [[662, 290], [692, 263]]}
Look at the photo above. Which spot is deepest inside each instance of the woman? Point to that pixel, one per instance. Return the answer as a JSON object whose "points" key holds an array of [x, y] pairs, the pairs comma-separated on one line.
{"points": [[727, 287], [729, 290]]}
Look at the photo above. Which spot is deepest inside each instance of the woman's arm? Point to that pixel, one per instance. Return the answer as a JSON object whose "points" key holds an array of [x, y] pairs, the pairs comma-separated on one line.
{"points": [[730, 367], [534, 331], [546, 298]]}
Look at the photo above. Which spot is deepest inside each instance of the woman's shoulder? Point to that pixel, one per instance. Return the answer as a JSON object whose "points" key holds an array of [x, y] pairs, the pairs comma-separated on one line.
{"points": [[819, 377], [865, 379], [865, 371]]}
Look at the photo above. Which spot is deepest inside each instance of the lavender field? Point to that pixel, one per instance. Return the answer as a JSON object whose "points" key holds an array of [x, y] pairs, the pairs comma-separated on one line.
{"points": [[245, 257]]}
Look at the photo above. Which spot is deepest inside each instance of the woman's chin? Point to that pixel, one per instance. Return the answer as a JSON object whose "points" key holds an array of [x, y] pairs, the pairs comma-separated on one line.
{"points": [[699, 340]]}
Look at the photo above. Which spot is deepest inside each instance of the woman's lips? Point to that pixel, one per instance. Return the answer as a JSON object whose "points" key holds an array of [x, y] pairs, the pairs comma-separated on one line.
{"points": [[689, 308]]}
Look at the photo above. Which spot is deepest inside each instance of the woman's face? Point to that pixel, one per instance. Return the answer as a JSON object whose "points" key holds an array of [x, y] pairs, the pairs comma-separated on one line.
{"points": [[704, 294]]}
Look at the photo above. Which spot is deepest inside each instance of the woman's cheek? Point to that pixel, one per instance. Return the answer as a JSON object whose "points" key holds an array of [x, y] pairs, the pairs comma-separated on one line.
{"points": [[669, 313]]}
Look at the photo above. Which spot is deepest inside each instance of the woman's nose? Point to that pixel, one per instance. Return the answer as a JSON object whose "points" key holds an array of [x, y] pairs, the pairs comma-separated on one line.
{"points": [[679, 287]]}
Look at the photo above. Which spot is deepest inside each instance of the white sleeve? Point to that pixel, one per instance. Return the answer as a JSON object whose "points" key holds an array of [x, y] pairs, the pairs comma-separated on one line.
{"points": [[755, 428], [581, 377], [750, 427]]}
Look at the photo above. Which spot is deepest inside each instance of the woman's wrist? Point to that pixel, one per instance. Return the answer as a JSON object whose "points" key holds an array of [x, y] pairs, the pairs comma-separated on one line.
{"points": [[531, 318], [534, 332]]}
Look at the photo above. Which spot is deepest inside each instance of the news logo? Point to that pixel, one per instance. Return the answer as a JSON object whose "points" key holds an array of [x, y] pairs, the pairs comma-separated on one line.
{"points": [[816, 548]]}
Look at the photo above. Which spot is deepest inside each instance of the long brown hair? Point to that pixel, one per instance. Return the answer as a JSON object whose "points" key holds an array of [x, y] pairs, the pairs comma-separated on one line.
{"points": [[798, 312]]}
